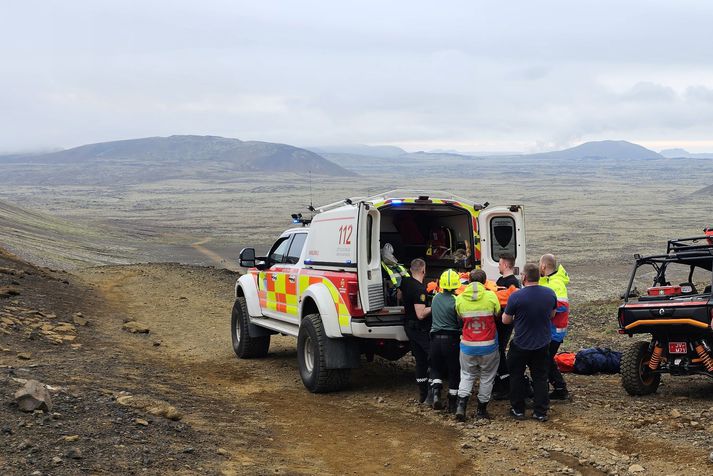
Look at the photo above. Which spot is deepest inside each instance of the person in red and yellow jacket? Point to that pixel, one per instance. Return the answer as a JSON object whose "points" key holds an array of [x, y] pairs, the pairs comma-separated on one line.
{"points": [[479, 356], [554, 276]]}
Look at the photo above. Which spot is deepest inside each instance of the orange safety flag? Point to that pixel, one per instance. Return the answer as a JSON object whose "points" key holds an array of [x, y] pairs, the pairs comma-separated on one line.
{"points": [[565, 361], [504, 294]]}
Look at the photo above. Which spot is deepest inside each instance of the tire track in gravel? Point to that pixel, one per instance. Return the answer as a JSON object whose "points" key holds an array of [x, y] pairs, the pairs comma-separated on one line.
{"points": [[374, 427], [328, 434]]}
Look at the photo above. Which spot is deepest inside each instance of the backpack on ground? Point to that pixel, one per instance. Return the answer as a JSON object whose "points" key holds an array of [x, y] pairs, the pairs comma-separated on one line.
{"points": [[597, 360]]}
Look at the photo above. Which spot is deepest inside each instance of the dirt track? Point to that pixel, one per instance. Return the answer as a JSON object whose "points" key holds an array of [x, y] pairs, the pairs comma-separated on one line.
{"points": [[259, 412]]}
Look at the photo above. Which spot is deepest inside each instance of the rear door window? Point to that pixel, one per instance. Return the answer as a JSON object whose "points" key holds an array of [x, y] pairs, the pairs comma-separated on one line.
{"points": [[502, 237], [298, 242]]}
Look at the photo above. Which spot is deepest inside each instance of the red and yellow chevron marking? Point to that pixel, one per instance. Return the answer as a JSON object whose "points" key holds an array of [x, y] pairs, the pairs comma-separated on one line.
{"points": [[277, 293]]}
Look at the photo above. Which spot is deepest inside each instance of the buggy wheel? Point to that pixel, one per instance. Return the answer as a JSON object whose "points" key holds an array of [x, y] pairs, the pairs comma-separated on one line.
{"points": [[311, 348], [246, 346], [636, 377]]}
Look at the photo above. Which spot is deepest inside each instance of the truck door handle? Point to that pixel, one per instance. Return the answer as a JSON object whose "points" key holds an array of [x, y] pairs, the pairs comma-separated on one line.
{"points": [[292, 279], [273, 277]]}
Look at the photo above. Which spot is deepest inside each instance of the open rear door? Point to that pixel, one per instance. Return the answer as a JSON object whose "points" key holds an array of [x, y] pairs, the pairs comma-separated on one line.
{"points": [[371, 285], [502, 231]]}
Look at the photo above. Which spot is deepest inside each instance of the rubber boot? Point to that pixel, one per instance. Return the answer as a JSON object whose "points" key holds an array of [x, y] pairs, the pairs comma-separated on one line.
{"points": [[423, 390], [452, 403], [429, 397], [437, 401], [482, 411], [503, 391], [461, 407]]}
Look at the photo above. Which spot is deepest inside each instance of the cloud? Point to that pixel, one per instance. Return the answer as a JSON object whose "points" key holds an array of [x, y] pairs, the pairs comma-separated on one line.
{"points": [[648, 92], [534, 74]]}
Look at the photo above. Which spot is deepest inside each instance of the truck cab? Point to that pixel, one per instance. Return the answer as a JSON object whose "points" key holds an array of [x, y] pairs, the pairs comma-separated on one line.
{"points": [[323, 282]]}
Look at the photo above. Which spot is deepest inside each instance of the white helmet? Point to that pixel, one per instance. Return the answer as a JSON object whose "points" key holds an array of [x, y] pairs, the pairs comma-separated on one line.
{"points": [[387, 254]]}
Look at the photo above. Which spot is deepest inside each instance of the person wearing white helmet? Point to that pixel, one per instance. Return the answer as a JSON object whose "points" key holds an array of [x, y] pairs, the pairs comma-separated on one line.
{"points": [[393, 273]]}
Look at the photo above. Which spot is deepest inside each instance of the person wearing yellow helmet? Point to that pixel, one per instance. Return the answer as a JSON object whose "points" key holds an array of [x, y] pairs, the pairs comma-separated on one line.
{"points": [[445, 341]]}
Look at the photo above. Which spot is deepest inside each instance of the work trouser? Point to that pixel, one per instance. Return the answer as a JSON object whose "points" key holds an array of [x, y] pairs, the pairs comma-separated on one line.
{"points": [[504, 333], [445, 352], [554, 375], [538, 362], [419, 340], [474, 366]]}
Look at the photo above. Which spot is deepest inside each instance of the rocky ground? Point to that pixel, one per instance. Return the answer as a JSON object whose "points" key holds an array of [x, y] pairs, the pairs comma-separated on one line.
{"points": [[142, 379]]}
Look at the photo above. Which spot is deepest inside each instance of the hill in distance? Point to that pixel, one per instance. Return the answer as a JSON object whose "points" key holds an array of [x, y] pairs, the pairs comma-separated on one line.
{"points": [[385, 151], [705, 191], [184, 149], [50, 241], [683, 153], [606, 149]]}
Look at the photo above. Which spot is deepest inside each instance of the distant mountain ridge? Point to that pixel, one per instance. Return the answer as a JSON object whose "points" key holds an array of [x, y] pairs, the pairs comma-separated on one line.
{"points": [[239, 155], [606, 149], [683, 153], [385, 151], [705, 191]]}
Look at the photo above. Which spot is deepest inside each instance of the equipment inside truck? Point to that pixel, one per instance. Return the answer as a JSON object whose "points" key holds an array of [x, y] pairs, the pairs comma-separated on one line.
{"points": [[442, 235]]}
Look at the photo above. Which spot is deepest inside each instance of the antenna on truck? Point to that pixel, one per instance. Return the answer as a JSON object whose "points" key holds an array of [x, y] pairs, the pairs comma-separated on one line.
{"points": [[310, 207]]}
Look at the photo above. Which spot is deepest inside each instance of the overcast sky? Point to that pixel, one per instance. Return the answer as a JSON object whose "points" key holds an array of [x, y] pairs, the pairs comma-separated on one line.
{"points": [[466, 75]]}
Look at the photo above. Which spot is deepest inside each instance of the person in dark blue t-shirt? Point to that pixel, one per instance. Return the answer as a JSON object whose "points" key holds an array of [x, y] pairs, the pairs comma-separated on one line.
{"points": [[531, 309]]}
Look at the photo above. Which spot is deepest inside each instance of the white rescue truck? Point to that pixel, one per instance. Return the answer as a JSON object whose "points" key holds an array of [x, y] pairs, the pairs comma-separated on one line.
{"points": [[323, 283]]}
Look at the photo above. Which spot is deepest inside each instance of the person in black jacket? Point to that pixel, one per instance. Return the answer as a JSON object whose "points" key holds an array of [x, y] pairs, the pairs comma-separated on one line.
{"points": [[506, 267], [417, 323]]}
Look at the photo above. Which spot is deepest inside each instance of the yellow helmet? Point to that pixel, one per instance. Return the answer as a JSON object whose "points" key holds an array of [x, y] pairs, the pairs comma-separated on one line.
{"points": [[450, 280]]}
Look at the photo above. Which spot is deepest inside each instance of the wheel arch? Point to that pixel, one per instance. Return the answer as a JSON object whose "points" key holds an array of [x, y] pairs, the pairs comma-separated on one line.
{"points": [[246, 287]]}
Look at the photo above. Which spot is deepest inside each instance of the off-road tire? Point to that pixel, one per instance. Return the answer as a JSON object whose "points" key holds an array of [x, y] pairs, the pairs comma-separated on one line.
{"points": [[634, 361], [246, 346], [311, 348]]}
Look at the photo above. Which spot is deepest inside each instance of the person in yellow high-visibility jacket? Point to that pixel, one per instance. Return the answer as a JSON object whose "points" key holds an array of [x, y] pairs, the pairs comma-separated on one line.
{"points": [[554, 276]]}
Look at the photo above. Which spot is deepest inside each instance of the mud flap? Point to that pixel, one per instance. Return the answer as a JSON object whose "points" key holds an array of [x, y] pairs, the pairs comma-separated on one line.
{"points": [[341, 353], [258, 331]]}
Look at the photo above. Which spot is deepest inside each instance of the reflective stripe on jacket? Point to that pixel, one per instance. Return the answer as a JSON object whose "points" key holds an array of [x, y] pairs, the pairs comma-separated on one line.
{"points": [[558, 282], [395, 273], [478, 307]]}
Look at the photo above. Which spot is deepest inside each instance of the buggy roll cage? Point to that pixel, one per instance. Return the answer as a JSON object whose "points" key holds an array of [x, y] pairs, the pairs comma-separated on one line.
{"points": [[691, 245], [696, 252]]}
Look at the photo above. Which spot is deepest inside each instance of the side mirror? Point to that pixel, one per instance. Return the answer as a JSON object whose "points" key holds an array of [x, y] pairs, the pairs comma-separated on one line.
{"points": [[247, 258]]}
